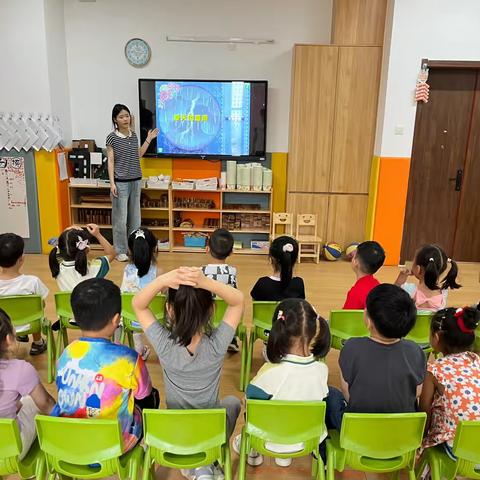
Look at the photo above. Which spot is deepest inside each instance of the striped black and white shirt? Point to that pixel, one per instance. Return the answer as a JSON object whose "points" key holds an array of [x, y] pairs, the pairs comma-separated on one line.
{"points": [[126, 158]]}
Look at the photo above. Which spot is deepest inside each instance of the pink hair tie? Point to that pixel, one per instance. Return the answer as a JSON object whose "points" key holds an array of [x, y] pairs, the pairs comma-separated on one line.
{"points": [[82, 244]]}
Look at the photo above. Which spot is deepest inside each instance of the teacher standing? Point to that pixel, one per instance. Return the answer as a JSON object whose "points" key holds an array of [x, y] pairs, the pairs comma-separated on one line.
{"points": [[125, 176]]}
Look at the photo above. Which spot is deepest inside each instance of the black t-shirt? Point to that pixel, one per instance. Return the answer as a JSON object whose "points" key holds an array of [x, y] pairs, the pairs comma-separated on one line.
{"points": [[267, 289], [382, 378]]}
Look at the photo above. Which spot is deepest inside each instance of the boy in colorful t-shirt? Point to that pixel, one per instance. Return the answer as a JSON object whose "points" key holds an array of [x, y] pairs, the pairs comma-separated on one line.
{"points": [[95, 377]]}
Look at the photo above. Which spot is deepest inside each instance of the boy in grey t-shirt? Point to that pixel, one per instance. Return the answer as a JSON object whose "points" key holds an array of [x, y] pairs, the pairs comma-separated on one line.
{"points": [[382, 373], [219, 248]]}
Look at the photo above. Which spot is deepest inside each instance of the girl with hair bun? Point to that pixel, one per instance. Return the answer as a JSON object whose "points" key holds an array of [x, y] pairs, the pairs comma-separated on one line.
{"points": [[451, 390], [430, 263], [282, 284], [140, 271]]}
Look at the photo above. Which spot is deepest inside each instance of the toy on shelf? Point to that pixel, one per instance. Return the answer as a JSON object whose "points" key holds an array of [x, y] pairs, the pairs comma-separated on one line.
{"points": [[246, 177], [160, 182], [306, 234], [193, 202]]}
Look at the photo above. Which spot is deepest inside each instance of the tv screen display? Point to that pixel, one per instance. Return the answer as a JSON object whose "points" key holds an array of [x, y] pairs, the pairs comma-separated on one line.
{"points": [[204, 118]]}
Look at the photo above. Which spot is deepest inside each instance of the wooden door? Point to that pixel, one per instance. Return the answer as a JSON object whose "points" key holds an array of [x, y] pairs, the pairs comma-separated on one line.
{"points": [[440, 143], [467, 232]]}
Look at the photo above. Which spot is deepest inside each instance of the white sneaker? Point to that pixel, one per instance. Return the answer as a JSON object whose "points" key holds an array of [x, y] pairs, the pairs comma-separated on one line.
{"points": [[200, 473], [283, 462], [254, 459], [121, 257]]}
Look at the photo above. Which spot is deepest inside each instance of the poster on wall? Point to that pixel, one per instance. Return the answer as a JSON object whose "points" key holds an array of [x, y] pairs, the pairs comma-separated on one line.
{"points": [[13, 196]]}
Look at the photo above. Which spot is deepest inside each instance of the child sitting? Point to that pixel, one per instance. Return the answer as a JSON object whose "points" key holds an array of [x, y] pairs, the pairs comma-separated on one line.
{"points": [[451, 391], [13, 282], [429, 264], [68, 261], [282, 284], [299, 337], [22, 395], [190, 351], [140, 271], [97, 378], [367, 259], [382, 373], [219, 248]]}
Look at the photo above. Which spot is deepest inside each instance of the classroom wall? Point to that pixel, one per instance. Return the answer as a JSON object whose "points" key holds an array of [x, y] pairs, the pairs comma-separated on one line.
{"points": [[100, 76], [434, 29], [23, 57]]}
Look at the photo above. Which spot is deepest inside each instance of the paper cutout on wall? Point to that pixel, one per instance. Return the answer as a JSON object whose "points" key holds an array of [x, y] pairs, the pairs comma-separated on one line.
{"points": [[13, 196]]}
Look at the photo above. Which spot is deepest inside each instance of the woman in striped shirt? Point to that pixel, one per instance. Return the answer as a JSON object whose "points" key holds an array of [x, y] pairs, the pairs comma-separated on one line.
{"points": [[125, 177]]}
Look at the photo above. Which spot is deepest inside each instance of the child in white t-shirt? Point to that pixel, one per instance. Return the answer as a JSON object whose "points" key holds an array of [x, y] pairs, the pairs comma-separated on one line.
{"points": [[140, 271], [13, 282], [69, 262]]}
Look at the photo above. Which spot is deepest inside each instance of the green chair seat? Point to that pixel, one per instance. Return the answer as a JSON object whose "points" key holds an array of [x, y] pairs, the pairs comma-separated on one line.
{"points": [[379, 443], [10, 450], [185, 439], [27, 315], [85, 448], [300, 423], [466, 447]]}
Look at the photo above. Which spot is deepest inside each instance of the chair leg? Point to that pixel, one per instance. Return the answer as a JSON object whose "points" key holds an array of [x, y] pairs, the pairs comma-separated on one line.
{"points": [[242, 462], [147, 467], [131, 344], [243, 359], [50, 356], [248, 368], [227, 462], [421, 464], [330, 464]]}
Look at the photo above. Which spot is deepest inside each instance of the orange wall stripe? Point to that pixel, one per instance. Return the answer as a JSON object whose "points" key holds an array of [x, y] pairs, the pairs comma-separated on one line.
{"points": [[390, 206]]}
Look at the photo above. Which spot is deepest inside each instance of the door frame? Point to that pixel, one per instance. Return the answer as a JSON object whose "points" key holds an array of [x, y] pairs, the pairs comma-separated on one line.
{"points": [[437, 64]]}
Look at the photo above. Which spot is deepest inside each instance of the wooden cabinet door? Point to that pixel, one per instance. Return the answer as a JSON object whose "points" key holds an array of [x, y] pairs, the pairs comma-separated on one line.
{"points": [[311, 117], [440, 141], [467, 233]]}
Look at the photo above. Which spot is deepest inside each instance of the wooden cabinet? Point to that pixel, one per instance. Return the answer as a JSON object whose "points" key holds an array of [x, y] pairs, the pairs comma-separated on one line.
{"points": [[332, 132]]}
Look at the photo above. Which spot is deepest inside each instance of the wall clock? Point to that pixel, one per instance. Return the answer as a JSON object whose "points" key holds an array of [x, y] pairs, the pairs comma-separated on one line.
{"points": [[137, 52]]}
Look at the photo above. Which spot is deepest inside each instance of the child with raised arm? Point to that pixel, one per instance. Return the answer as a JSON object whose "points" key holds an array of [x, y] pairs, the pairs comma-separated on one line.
{"points": [[14, 282], [190, 351], [430, 294], [22, 395]]}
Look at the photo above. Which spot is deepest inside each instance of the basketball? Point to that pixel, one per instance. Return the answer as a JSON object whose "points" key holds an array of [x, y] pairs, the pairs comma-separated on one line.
{"points": [[350, 250], [332, 251]]}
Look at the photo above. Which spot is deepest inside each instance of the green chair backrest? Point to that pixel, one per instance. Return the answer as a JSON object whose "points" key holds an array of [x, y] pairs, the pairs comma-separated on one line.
{"points": [[10, 446], [63, 306], [420, 333], [262, 314], [285, 422], [466, 447], [219, 311], [157, 306], [184, 438], [379, 441], [24, 311], [72, 444], [345, 324]]}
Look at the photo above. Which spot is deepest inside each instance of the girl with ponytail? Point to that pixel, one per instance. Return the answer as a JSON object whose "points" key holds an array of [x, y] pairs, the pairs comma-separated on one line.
{"points": [[299, 337], [430, 263], [190, 350], [69, 262], [282, 284], [140, 271], [451, 390]]}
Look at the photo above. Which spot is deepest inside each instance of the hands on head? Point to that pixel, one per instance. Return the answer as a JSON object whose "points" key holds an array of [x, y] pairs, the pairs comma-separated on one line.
{"points": [[190, 276]]}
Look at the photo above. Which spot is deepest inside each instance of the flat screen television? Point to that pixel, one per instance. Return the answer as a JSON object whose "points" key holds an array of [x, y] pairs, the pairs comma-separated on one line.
{"points": [[208, 119]]}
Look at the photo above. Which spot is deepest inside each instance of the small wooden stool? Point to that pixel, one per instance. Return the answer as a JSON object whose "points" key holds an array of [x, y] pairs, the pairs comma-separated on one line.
{"points": [[281, 219], [306, 235]]}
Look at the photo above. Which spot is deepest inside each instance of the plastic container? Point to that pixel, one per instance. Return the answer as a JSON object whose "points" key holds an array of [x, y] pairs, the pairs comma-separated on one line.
{"points": [[198, 242]]}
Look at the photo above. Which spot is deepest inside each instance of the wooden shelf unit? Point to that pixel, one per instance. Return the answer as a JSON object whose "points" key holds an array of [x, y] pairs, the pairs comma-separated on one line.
{"points": [[168, 213]]}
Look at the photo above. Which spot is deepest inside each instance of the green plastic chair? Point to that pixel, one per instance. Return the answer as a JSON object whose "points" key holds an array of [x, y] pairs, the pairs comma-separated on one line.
{"points": [[64, 311], [345, 324], [466, 447], [376, 442], [85, 448], [185, 439], [262, 317], [420, 333], [283, 422], [27, 315], [10, 450], [476, 343], [129, 319], [241, 333]]}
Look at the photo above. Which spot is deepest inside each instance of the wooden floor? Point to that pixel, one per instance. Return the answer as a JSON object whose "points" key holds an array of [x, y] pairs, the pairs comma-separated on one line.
{"points": [[326, 285]]}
